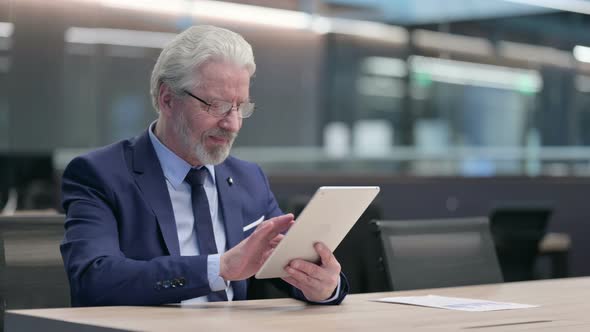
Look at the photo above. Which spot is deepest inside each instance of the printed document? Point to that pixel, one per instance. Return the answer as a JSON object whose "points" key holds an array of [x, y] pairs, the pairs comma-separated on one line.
{"points": [[455, 303]]}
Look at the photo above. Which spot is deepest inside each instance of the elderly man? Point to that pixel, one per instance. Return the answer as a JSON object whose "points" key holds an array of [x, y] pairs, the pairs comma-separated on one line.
{"points": [[162, 217]]}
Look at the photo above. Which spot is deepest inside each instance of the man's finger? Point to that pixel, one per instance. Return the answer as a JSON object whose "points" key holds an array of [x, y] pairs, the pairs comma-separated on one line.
{"points": [[277, 239], [278, 227], [326, 255], [312, 270], [303, 279], [272, 227]]}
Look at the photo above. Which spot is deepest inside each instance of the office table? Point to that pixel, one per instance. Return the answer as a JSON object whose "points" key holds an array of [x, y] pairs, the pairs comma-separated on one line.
{"points": [[565, 306]]}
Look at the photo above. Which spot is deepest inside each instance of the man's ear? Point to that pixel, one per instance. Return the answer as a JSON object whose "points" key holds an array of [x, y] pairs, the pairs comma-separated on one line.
{"points": [[166, 100]]}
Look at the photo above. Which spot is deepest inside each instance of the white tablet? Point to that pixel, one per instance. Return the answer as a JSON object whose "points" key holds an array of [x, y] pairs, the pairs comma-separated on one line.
{"points": [[327, 218]]}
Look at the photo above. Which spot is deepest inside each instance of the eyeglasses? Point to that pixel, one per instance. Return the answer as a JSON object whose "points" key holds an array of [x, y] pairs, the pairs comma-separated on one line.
{"points": [[221, 108]]}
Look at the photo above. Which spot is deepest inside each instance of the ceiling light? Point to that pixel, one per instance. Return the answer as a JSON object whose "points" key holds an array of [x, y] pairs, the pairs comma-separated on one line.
{"points": [[368, 29], [250, 14], [218, 10], [384, 66], [535, 54], [6, 29], [452, 43], [582, 53], [469, 73], [122, 37]]}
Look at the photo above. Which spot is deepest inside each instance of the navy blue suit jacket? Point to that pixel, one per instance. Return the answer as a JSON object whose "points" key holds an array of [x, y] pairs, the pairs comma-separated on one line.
{"points": [[121, 244]]}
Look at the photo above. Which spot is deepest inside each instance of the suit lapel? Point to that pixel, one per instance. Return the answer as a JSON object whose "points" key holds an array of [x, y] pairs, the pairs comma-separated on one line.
{"points": [[152, 183], [230, 206], [232, 218]]}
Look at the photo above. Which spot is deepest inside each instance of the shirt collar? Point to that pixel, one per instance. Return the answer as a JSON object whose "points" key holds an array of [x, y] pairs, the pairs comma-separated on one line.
{"points": [[175, 168]]}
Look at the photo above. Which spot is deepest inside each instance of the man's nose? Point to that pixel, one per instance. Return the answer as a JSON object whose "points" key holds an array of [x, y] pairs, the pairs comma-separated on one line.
{"points": [[232, 120]]}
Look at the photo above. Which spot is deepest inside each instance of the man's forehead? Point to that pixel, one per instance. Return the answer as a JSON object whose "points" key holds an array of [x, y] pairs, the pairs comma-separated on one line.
{"points": [[219, 67], [222, 75]]}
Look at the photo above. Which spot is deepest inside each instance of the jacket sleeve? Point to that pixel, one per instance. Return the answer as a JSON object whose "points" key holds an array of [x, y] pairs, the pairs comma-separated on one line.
{"points": [[338, 298], [98, 271]]}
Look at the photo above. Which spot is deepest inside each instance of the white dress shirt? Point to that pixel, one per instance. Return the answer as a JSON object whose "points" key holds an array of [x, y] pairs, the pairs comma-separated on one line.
{"points": [[175, 170]]}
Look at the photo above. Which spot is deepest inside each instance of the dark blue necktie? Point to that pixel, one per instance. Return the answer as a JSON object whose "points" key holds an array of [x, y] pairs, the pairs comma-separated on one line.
{"points": [[203, 224]]}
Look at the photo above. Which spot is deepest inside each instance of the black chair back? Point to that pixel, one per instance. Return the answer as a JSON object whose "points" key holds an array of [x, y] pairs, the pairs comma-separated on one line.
{"points": [[517, 232], [438, 253], [31, 269]]}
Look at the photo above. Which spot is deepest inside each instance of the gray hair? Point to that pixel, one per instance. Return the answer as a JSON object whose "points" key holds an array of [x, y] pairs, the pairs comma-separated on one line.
{"points": [[192, 48]]}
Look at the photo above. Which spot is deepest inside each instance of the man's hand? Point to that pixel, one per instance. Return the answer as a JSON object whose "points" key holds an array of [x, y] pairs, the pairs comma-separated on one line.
{"points": [[245, 259], [317, 282]]}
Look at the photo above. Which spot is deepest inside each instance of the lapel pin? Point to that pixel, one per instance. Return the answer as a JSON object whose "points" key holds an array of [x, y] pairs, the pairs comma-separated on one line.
{"points": [[230, 181]]}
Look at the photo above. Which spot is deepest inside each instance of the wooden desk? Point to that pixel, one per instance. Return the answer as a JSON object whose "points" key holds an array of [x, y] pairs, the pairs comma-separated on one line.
{"points": [[565, 305]]}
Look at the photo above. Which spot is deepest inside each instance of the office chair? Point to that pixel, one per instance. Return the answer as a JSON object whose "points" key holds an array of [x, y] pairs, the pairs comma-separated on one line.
{"points": [[32, 274], [359, 255], [517, 232], [438, 253]]}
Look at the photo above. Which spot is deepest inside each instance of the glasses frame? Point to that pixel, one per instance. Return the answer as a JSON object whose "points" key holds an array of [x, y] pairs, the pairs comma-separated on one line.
{"points": [[240, 114]]}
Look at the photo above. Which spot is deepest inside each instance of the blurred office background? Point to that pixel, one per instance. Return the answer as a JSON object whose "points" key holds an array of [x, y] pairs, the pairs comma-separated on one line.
{"points": [[455, 108]]}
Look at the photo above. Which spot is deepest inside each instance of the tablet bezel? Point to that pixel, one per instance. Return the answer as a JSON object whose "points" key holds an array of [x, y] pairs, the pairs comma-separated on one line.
{"points": [[327, 218]]}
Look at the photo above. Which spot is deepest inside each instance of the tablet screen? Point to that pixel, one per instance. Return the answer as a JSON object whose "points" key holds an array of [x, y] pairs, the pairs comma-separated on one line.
{"points": [[327, 218]]}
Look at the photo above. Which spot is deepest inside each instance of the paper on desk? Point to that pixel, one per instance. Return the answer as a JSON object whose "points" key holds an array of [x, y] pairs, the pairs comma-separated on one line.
{"points": [[455, 303]]}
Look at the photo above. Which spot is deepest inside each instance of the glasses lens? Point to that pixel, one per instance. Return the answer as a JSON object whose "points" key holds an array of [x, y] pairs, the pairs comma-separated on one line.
{"points": [[220, 108], [246, 110]]}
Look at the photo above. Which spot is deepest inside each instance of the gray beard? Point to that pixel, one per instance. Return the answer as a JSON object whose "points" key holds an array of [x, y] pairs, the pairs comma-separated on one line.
{"points": [[213, 156]]}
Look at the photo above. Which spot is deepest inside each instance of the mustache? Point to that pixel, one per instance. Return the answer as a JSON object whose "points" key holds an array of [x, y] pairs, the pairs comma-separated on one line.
{"points": [[221, 133]]}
